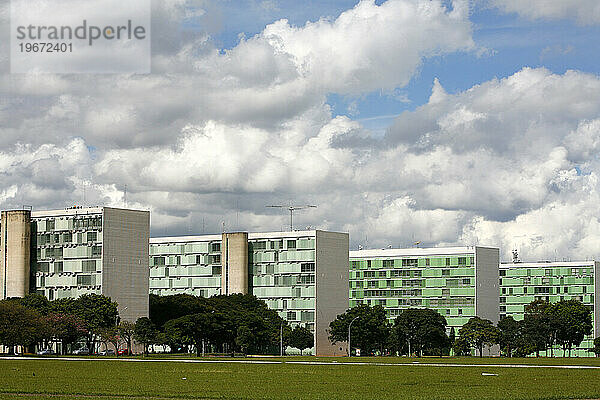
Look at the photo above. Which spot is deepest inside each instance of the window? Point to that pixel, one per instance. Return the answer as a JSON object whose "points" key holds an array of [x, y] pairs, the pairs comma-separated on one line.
{"points": [[445, 272], [410, 262], [462, 260], [427, 262], [291, 316], [466, 281], [84, 280], [58, 267], [388, 263], [502, 300], [355, 264], [159, 261], [88, 266], [291, 244], [502, 272], [307, 267], [215, 247], [447, 261], [258, 245], [216, 270], [214, 259], [96, 251], [92, 236]]}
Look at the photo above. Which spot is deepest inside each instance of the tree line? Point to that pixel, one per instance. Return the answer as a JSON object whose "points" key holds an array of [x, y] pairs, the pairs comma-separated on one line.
{"points": [[424, 331], [182, 323], [235, 323]]}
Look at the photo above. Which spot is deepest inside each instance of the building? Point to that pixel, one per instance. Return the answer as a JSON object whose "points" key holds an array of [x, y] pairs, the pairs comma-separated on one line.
{"points": [[522, 283], [302, 275], [457, 282], [75, 251]]}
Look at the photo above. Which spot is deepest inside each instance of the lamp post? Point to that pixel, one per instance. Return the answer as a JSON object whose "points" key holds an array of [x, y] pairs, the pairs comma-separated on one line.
{"points": [[281, 340], [350, 326]]}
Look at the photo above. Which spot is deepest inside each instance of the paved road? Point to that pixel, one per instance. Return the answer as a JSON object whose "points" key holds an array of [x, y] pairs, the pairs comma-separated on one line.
{"points": [[413, 364]]}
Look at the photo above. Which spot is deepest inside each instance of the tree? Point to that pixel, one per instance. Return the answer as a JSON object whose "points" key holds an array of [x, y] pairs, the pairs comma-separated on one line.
{"points": [[596, 348], [126, 331], [461, 347], [110, 335], [21, 326], [422, 329], [479, 332], [369, 332], [166, 308], [66, 328], [539, 328], [573, 321], [302, 338], [509, 332], [36, 302], [97, 311], [145, 332], [195, 329]]}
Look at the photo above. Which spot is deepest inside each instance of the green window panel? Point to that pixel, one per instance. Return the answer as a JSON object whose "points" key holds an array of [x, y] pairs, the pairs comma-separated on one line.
{"points": [[382, 284], [159, 283], [512, 282], [391, 303], [469, 311], [157, 272], [435, 282], [306, 244], [462, 292], [457, 321], [515, 308], [462, 272], [397, 283], [287, 268], [198, 247], [431, 273], [432, 292]]}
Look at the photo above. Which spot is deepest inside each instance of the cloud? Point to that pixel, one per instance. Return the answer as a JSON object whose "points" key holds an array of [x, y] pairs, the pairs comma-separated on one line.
{"points": [[585, 12], [215, 135]]}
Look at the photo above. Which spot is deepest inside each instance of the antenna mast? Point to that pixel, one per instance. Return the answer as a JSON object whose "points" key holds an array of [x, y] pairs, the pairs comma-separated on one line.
{"points": [[291, 209]]}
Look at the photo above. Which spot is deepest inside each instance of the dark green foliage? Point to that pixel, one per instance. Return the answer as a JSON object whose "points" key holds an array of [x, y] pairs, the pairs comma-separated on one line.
{"points": [[21, 326], [509, 334], [66, 328], [420, 331], [145, 332], [596, 349], [302, 338], [369, 332], [573, 321], [479, 332], [221, 323]]}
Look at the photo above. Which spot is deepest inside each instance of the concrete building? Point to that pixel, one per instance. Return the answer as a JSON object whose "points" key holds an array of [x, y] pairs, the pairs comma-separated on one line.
{"points": [[457, 282], [302, 275], [70, 252], [522, 283]]}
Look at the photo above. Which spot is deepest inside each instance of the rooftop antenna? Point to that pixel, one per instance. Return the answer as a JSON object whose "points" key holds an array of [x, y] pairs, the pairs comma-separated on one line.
{"points": [[125, 196], [223, 226], [417, 243], [515, 256], [291, 209]]}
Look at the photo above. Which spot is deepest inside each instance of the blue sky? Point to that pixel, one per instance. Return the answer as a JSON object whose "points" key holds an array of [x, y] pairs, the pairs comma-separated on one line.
{"points": [[507, 43]]}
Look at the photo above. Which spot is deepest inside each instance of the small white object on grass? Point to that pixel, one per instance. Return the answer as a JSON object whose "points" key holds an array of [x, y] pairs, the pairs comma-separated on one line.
{"points": [[488, 374], [183, 379]]}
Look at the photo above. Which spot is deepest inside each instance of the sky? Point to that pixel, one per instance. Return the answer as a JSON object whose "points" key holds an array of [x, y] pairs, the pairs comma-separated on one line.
{"points": [[444, 122]]}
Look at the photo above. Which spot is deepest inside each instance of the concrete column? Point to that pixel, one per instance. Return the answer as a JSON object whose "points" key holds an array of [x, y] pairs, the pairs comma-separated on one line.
{"points": [[234, 263], [15, 248]]}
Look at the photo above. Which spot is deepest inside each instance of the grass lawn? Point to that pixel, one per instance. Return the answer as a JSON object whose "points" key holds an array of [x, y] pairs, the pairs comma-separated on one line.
{"points": [[45, 379]]}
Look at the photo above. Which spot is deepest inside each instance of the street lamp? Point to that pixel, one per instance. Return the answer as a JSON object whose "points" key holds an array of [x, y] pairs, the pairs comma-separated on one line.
{"points": [[281, 340], [117, 318], [349, 326]]}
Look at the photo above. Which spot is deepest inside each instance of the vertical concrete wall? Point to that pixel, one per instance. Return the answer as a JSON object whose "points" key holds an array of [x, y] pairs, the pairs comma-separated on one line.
{"points": [[234, 263], [332, 274], [487, 291], [125, 271], [15, 244]]}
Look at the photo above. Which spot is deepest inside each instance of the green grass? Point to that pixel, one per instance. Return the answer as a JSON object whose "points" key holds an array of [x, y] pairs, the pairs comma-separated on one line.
{"points": [[44, 379]]}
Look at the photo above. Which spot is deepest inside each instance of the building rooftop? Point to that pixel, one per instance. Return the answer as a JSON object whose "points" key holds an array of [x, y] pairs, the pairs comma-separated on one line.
{"points": [[251, 236], [547, 264], [414, 251]]}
